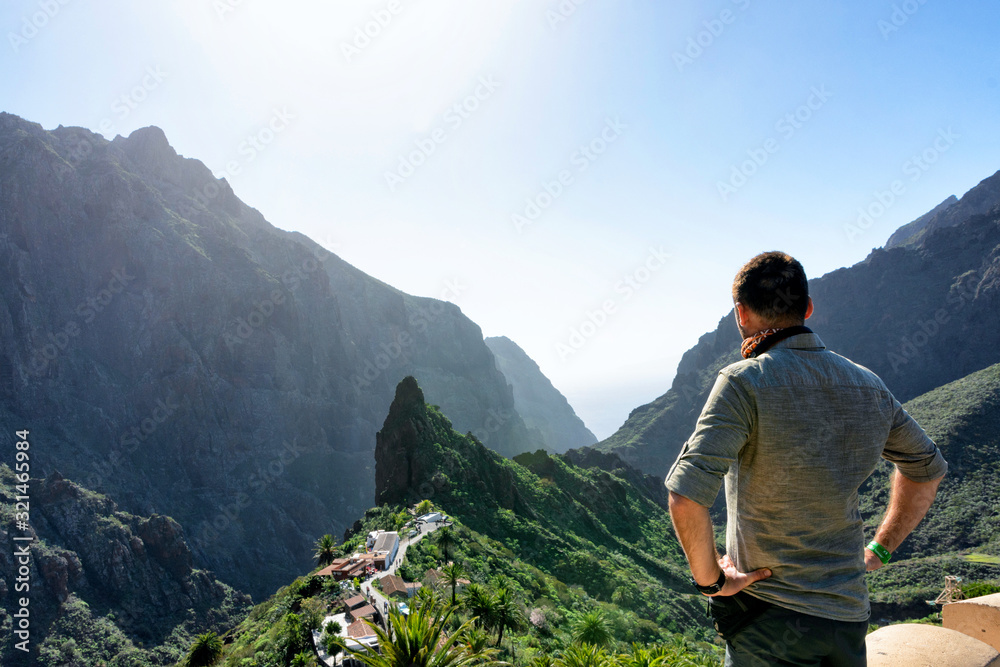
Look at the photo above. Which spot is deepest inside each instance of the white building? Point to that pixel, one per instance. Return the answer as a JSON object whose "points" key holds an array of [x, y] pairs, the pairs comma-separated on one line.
{"points": [[387, 544]]}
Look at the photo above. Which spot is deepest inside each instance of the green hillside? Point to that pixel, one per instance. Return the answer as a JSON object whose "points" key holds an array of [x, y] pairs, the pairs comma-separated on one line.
{"points": [[961, 533], [586, 527], [548, 612]]}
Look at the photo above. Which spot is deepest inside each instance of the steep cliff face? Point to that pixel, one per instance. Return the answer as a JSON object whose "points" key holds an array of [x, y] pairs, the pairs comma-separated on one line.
{"points": [[920, 316], [102, 583], [179, 353], [542, 407]]}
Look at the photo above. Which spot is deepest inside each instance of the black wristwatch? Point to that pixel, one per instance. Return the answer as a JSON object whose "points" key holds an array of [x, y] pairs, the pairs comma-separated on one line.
{"points": [[711, 589]]}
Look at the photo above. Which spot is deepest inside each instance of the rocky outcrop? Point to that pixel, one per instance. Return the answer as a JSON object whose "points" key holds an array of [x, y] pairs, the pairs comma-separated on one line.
{"points": [[542, 407], [911, 232], [178, 353], [136, 570], [980, 200], [418, 456]]}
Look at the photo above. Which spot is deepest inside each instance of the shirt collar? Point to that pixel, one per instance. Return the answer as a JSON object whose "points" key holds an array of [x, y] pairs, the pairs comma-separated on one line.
{"points": [[806, 341]]}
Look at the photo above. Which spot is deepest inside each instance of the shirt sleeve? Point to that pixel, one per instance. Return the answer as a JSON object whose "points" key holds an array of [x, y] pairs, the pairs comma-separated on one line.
{"points": [[911, 449], [723, 428]]}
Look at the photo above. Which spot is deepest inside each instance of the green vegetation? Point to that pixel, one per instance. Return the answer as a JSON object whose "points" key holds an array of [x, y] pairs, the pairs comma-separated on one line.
{"points": [[422, 640], [982, 558], [489, 623], [589, 529], [279, 631]]}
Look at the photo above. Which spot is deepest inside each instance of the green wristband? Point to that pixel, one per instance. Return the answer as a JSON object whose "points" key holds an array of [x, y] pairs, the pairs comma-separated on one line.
{"points": [[880, 551]]}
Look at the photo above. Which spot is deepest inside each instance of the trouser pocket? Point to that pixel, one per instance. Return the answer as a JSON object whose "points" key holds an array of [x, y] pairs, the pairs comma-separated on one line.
{"points": [[732, 613]]}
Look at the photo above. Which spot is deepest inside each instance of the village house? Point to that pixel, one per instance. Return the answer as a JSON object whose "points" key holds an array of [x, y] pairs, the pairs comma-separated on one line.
{"points": [[345, 568], [354, 603], [393, 586], [364, 611], [384, 547], [361, 632]]}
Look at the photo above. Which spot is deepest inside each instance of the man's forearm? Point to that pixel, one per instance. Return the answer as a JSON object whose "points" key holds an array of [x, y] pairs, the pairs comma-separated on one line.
{"points": [[908, 505], [693, 526]]}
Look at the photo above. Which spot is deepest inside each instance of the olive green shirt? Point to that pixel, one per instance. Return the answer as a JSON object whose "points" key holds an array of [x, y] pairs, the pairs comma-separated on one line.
{"points": [[794, 433]]}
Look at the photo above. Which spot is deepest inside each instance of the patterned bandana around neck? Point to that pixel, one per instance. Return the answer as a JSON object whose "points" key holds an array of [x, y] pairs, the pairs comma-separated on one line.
{"points": [[762, 341]]}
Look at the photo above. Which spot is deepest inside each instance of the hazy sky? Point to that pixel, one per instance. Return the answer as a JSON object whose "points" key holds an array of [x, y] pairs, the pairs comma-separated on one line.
{"points": [[582, 177]]}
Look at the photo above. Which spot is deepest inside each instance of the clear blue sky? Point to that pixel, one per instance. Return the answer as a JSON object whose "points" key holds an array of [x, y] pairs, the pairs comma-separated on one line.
{"points": [[668, 99]]}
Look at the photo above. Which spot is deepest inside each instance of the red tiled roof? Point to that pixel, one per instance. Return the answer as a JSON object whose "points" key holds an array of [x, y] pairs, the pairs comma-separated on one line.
{"points": [[392, 584], [356, 601], [359, 630], [362, 612], [332, 567]]}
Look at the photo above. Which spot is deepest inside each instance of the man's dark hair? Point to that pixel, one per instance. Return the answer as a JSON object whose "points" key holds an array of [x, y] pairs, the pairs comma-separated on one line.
{"points": [[773, 285]]}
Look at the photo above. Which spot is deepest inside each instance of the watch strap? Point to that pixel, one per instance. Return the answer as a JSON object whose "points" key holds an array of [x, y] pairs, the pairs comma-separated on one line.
{"points": [[711, 589]]}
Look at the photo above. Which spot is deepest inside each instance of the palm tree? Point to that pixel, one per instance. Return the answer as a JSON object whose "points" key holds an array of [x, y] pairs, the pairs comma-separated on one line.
{"points": [[507, 612], [423, 507], [478, 601], [326, 549], [205, 651], [592, 628], [477, 641], [418, 640], [450, 575], [445, 539], [585, 655], [646, 657]]}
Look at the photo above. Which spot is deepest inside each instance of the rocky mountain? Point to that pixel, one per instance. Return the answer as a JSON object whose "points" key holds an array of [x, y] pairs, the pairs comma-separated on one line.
{"points": [[173, 350], [103, 586], [585, 526], [980, 200], [542, 407], [920, 315], [912, 231]]}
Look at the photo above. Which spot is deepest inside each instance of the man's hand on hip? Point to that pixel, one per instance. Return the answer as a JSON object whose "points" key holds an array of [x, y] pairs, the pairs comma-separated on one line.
{"points": [[736, 581]]}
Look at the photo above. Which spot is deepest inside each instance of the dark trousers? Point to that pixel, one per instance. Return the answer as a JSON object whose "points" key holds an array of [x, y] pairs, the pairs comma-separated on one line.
{"points": [[779, 636]]}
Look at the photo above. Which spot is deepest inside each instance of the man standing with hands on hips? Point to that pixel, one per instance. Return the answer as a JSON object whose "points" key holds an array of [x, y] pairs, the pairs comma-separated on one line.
{"points": [[794, 430]]}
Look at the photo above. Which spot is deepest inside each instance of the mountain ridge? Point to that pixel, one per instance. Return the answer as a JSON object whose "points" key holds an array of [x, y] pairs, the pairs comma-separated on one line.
{"points": [[185, 357], [539, 403]]}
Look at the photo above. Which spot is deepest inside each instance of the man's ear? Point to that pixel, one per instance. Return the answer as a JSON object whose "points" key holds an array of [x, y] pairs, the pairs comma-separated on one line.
{"points": [[809, 308], [739, 310]]}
